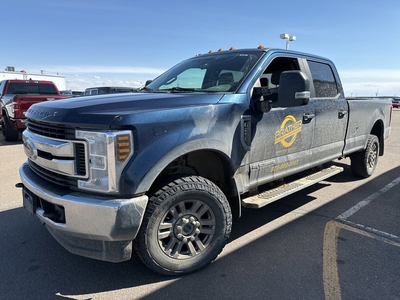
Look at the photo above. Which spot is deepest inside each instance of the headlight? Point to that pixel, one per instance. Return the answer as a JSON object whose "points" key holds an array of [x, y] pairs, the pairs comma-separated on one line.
{"points": [[108, 153]]}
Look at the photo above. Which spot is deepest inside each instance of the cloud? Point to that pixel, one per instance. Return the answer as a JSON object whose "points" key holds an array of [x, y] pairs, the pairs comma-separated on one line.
{"points": [[85, 76], [102, 69], [374, 74], [368, 82], [373, 84]]}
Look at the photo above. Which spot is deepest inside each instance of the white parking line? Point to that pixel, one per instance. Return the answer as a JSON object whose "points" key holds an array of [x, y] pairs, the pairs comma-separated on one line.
{"points": [[372, 230], [344, 216], [368, 200], [332, 288]]}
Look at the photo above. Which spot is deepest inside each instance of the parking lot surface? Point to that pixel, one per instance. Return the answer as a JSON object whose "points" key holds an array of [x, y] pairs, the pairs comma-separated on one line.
{"points": [[338, 239]]}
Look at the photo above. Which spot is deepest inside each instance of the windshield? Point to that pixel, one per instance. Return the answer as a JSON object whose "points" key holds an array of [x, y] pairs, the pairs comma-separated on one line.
{"points": [[216, 72]]}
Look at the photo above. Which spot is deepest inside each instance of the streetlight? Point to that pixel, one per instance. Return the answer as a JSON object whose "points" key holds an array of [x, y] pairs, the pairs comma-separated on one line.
{"points": [[288, 38]]}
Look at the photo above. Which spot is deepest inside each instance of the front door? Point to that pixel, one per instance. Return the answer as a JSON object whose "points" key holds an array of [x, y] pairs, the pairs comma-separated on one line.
{"points": [[283, 136]]}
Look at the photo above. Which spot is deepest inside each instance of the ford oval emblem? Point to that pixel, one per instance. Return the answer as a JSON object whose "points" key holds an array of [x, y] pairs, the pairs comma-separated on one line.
{"points": [[30, 149]]}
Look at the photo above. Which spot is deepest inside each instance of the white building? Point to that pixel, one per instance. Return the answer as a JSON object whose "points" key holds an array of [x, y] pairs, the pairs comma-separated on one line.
{"points": [[10, 73]]}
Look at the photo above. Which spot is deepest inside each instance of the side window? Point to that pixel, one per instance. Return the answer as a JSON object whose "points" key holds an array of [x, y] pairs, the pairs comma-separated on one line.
{"points": [[101, 91], [272, 74], [323, 79]]}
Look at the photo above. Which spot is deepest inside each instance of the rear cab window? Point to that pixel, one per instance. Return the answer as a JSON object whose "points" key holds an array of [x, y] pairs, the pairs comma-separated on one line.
{"points": [[325, 85], [22, 88]]}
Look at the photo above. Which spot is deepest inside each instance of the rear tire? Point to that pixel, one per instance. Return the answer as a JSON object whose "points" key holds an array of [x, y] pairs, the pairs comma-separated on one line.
{"points": [[10, 134], [363, 163], [186, 226]]}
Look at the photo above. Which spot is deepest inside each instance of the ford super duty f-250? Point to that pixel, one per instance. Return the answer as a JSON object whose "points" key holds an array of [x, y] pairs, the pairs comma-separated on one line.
{"points": [[163, 170]]}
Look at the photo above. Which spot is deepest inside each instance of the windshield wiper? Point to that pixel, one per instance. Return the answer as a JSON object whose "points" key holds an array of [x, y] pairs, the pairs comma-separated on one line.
{"points": [[144, 88], [179, 89]]}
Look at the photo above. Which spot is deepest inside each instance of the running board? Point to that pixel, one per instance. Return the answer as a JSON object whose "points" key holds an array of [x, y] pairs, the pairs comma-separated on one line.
{"points": [[267, 197]]}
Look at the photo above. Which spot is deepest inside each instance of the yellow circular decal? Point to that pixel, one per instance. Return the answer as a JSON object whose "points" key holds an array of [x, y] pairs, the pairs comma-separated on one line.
{"points": [[288, 131]]}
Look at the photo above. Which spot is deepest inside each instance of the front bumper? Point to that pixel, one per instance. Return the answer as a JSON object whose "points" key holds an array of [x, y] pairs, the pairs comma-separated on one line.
{"points": [[92, 225], [18, 123]]}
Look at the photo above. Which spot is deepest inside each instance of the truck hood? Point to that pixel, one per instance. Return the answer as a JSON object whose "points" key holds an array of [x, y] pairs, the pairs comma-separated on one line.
{"points": [[104, 109]]}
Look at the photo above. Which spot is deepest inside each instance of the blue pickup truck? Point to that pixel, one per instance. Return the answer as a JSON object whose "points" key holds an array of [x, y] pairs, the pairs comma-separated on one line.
{"points": [[163, 170]]}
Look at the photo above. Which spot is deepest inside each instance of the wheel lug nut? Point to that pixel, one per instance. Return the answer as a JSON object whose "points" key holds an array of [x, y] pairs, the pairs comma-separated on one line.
{"points": [[191, 219], [179, 235], [197, 231], [192, 238], [185, 221], [185, 240], [179, 228]]}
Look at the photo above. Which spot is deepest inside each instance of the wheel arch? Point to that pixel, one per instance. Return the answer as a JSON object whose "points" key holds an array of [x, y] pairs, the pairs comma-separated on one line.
{"points": [[212, 163], [378, 130]]}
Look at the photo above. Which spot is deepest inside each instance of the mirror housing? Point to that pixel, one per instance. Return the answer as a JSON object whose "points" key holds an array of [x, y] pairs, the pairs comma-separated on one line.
{"points": [[294, 89]]}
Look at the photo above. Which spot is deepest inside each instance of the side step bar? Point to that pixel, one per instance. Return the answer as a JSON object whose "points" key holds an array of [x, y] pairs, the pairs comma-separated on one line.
{"points": [[267, 197]]}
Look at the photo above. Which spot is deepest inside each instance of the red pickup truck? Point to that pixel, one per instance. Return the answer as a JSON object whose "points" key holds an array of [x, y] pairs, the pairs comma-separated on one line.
{"points": [[16, 96]]}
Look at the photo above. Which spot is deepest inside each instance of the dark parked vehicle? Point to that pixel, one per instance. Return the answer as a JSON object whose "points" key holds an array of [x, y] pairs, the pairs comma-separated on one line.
{"points": [[71, 93], [66, 93], [108, 90], [77, 93], [396, 102]]}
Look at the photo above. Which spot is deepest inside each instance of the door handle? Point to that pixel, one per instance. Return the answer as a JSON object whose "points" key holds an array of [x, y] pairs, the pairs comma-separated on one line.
{"points": [[308, 116], [342, 113]]}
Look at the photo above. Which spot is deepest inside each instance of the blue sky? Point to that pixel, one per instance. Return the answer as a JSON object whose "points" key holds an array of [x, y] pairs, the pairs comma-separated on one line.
{"points": [[126, 42]]}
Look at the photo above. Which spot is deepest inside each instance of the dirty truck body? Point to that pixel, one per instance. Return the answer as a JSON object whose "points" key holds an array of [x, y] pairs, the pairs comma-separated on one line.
{"points": [[163, 170]]}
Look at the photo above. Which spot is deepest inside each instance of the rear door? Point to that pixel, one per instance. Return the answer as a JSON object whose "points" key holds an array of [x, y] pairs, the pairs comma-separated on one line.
{"points": [[331, 112]]}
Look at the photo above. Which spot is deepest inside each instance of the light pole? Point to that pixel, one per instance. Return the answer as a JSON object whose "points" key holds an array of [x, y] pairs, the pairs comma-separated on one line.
{"points": [[288, 38]]}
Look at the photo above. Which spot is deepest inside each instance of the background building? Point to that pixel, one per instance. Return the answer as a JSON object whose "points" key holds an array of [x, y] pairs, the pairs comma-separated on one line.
{"points": [[10, 73]]}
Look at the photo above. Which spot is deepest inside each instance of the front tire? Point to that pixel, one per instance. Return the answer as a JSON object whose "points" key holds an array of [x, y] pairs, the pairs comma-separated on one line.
{"points": [[363, 163], [186, 226]]}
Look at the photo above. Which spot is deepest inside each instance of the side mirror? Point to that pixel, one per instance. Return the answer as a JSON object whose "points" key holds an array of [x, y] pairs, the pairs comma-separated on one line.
{"points": [[259, 104], [294, 89], [148, 82]]}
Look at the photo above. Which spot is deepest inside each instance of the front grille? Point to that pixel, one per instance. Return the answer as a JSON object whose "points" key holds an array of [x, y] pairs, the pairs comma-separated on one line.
{"points": [[62, 133], [80, 159], [52, 176], [56, 131]]}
